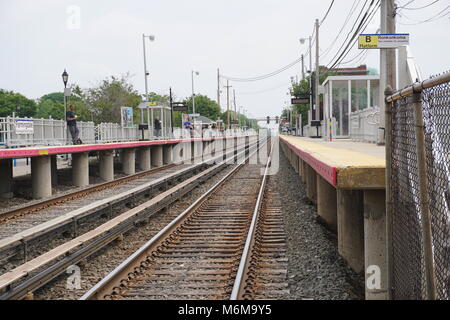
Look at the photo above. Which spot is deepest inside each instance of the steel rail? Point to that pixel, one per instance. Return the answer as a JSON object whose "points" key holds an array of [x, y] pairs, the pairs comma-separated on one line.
{"points": [[246, 253], [40, 231], [58, 200], [45, 276], [113, 278], [419, 87]]}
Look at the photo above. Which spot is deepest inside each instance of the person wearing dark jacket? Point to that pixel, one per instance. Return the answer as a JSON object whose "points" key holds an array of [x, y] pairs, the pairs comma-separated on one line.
{"points": [[157, 127], [72, 125]]}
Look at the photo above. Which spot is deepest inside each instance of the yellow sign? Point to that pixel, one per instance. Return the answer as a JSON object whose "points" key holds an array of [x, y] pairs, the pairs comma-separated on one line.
{"points": [[368, 42], [43, 152], [152, 104]]}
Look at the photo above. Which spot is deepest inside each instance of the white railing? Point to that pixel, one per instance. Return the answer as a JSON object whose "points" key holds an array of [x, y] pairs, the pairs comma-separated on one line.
{"points": [[50, 132], [45, 132], [364, 125], [113, 132]]}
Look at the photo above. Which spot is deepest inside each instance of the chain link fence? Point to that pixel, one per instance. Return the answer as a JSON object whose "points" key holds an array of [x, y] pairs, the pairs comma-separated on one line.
{"points": [[414, 273]]}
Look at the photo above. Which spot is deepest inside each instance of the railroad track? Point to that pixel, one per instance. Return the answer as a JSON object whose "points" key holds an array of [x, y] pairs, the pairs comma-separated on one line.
{"points": [[229, 244], [39, 271], [21, 237], [34, 207]]}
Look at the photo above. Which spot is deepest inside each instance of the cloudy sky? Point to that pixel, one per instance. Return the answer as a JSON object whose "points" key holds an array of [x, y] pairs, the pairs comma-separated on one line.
{"points": [[244, 38]]}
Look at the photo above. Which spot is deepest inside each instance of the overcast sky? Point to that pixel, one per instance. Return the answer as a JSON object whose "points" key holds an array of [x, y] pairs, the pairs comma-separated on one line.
{"points": [[244, 38]]}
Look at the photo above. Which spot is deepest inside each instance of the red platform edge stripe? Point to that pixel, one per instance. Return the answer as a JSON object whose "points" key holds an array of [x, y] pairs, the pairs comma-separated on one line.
{"points": [[327, 172], [51, 150]]}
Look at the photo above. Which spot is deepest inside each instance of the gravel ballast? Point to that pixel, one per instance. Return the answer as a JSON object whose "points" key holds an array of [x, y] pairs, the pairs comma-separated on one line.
{"points": [[316, 270]]}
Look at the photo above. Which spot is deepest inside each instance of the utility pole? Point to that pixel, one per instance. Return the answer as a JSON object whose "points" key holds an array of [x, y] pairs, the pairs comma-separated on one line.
{"points": [[218, 88], [303, 68], [234, 101], [387, 79], [388, 76], [228, 104], [317, 73], [171, 109], [310, 82]]}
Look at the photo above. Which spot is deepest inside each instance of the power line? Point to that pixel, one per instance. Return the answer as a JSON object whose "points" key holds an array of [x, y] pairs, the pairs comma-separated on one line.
{"points": [[419, 8], [368, 20], [266, 75], [438, 16], [349, 33], [328, 11], [347, 19], [405, 5], [362, 26]]}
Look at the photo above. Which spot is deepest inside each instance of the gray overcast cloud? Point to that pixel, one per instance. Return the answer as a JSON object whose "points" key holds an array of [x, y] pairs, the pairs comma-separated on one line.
{"points": [[242, 38]]}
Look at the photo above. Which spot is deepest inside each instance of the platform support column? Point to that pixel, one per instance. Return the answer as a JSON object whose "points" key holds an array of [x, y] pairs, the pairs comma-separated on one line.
{"points": [[350, 223], [230, 150], [106, 165], [375, 244], [187, 152], [168, 154], [198, 151], [129, 161], [54, 165], [304, 171], [144, 158], [41, 177], [295, 161], [157, 156], [311, 184], [6, 178], [300, 167], [80, 169], [327, 202]]}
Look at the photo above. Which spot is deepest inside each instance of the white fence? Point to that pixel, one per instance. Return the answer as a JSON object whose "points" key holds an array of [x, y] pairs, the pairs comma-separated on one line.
{"points": [[365, 124], [44, 132], [49, 132]]}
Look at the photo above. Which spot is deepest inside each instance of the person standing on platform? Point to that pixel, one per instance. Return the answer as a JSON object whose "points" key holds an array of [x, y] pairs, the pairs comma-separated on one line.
{"points": [[72, 125], [157, 127]]}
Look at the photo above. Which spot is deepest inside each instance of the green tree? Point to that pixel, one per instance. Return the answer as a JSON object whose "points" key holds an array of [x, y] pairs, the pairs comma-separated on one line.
{"points": [[15, 102], [102, 103], [51, 105], [302, 88], [205, 107]]}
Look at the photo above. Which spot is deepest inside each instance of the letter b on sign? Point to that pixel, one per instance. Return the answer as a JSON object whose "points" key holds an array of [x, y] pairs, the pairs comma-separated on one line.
{"points": [[368, 39]]}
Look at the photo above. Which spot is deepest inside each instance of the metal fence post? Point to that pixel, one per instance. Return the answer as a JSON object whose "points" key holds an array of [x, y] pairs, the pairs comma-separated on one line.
{"points": [[416, 100], [389, 200]]}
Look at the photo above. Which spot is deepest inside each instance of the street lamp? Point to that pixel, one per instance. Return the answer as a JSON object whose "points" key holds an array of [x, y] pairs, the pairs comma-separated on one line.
{"points": [[146, 73], [302, 41], [193, 93], [65, 77]]}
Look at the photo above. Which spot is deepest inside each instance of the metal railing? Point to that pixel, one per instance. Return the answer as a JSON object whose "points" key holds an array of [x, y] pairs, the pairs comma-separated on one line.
{"points": [[418, 189], [365, 124], [45, 132], [50, 132]]}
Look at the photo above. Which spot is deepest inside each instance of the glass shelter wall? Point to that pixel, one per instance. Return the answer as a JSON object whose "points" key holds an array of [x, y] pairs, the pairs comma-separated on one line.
{"points": [[346, 95]]}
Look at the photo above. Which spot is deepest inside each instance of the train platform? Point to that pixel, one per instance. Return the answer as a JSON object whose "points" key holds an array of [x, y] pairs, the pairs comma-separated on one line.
{"points": [[342, 162], [132, 154], [346, 181]]}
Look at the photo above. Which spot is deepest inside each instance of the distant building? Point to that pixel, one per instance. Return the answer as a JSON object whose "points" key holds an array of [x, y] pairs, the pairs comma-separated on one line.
{"points": [[358, 71]]}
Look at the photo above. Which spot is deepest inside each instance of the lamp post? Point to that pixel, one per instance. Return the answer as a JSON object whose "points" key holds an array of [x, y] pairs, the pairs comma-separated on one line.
{"points": [[302, 41], [146, 73], [65, 78], [193, 93]]}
